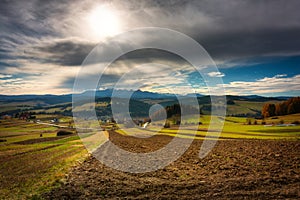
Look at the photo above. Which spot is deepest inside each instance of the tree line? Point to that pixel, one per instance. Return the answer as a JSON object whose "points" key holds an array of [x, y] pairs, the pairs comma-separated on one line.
{"points": [[174, 110], [291, 106]]}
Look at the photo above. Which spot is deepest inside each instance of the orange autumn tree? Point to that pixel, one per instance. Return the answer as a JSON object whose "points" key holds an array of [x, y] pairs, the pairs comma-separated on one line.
{"points": [[291, 106], [268, 110]]}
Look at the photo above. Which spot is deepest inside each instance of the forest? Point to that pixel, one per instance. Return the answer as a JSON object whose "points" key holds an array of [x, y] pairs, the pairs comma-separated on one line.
{"points": [[290, 106]]}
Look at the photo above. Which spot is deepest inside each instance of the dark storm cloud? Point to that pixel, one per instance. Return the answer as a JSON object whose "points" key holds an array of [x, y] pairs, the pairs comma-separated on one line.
{"points": [[20, 18], [72, 53], [68, 52], [106, 81], [227, 29], [19, 26], [151, 55], [243, 44], [4, 64], [33, 17]]}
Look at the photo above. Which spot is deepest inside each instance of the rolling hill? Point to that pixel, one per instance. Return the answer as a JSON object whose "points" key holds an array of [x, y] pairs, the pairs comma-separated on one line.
{"points": [[140, 102]]}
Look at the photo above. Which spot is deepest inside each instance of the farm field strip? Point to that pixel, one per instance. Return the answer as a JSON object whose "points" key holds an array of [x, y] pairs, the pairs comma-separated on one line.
{"points": [[233, 129]]}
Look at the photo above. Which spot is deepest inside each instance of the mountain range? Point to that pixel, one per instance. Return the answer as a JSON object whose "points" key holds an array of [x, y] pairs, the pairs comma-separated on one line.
{"points": [[50, 99]]}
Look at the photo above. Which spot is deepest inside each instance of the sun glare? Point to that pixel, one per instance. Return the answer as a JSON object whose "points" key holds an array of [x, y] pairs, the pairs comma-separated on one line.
{"points": [[104, 22]]}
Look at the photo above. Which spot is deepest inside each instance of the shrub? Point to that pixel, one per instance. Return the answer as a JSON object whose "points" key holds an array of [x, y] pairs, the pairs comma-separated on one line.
{"points": [[249, 122], [230, 102], [63, 132], [263, 123], [296, 122], [178, 122], [167, 125]]}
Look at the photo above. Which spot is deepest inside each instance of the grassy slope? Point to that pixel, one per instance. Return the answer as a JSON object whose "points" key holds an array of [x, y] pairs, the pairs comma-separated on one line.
{"points": [[244, 107], [234, 127], [30, 169]]}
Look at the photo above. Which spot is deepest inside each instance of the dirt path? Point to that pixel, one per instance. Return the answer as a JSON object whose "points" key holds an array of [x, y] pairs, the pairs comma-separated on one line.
{"points": [[235, 169]]}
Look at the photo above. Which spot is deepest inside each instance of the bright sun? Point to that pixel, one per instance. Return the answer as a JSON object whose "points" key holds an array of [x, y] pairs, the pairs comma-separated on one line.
{"points": [[104, 22]]}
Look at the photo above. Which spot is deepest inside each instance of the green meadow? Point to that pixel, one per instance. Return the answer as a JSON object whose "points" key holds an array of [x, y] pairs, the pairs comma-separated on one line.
{"points": [[234, 128], [31, 164]]}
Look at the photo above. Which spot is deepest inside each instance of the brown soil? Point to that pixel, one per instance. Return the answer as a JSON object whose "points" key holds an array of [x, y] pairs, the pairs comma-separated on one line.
{"points": [[234, 169]]}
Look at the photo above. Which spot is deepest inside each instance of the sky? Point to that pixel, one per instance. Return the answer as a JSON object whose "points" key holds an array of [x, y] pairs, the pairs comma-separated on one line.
{"points": [[254, 44]]}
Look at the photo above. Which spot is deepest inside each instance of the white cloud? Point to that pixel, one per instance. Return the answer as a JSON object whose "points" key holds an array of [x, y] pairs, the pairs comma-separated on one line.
{"points": [[5, 76], [45, 79], [216, 74], [156, 78], [276, 84], [280, 75]]}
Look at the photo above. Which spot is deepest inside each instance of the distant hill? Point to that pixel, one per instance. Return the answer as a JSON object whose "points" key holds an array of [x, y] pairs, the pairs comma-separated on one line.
{"points": [[132, 94], [49, 99], [237, 105]]}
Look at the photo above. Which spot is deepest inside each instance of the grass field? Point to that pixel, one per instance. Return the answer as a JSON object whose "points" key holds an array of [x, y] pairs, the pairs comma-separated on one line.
{"points": [[234, 128], [30, 164]]}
